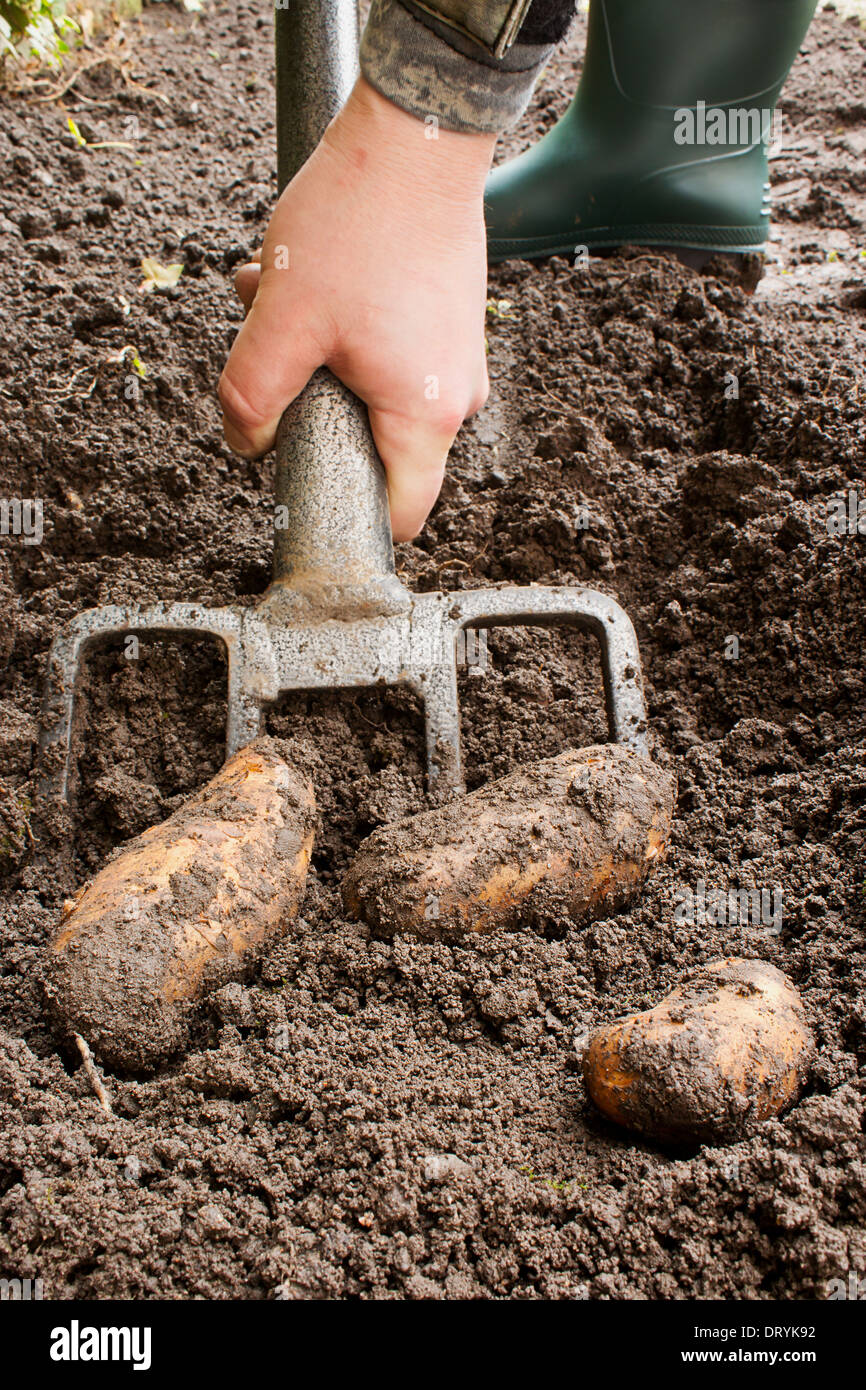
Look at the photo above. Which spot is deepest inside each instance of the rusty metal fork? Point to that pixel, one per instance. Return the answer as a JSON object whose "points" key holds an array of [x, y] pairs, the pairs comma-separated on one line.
{"points": [[336, 616]]}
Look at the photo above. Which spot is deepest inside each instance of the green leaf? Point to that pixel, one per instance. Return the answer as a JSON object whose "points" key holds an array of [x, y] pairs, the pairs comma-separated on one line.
{"points": [[76, 133]]}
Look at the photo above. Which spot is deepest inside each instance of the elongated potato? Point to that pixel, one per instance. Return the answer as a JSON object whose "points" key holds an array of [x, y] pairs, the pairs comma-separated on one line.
{"points": [[728, 1048], [574, 834], [181, 907]]}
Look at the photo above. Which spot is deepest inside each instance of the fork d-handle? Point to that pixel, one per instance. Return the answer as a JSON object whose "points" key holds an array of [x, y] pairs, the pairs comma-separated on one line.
{"points": [[333, 552]]}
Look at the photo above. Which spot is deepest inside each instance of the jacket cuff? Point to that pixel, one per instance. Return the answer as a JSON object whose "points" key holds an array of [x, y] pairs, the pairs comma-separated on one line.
{"points": [[431, 69]]}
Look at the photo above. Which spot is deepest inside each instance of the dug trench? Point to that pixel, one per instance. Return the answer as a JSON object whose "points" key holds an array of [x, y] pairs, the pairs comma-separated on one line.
{"points": [[402, 1118]]}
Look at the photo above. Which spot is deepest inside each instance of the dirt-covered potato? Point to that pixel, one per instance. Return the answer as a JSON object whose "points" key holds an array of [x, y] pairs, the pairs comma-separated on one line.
{"points": [[573, 834], [182, 907], [728, 1048]]}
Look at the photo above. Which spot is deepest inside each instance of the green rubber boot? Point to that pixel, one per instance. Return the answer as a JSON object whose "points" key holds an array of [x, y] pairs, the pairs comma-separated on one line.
{"points": [[665, 143]]}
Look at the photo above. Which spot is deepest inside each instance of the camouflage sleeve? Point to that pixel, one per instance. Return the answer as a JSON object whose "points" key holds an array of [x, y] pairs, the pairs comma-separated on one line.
{"points": [[471, 64]]}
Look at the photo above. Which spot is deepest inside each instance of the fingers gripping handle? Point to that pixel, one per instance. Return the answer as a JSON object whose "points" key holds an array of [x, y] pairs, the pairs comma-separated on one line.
{"points": [[333, 550]]}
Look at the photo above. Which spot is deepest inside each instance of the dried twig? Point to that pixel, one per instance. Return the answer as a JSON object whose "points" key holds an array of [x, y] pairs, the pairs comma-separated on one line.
{"points": [[54, 389], [140, 87], [111, 61], [63, 87], [93, 1076]]}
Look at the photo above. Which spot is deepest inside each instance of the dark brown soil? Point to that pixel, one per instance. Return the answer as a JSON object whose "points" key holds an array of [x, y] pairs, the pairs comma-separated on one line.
{"points": [[407, 1119]]}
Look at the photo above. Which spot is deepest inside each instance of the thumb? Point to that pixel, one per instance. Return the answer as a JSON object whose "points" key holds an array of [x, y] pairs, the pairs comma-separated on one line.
{"points": [[271, 361]]}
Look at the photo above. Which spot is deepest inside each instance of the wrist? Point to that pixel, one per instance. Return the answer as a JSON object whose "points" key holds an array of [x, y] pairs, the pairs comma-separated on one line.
{"points": [[429, 159]]}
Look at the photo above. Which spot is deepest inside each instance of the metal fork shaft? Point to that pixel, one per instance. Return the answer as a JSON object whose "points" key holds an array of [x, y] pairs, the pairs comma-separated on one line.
{"points": [[333, 551]]}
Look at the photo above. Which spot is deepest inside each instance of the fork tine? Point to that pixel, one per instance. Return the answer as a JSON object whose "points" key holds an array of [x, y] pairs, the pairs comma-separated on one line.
{"points": [[88, 631], [586, 608]]}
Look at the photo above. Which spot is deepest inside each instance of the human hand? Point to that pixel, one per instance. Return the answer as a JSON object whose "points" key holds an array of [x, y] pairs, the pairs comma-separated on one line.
{"points": [[374, 265]]}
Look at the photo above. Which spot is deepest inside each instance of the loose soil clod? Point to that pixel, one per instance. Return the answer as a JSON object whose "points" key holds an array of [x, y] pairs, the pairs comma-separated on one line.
{"points": [[726, 1049], [183, 906], [573, 835]]}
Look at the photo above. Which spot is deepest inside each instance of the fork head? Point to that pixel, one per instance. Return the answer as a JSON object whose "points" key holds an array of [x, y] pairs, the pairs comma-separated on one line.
{"points": [[416, 647]]}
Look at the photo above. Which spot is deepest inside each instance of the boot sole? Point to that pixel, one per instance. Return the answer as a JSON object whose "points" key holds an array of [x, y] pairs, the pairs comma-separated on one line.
{"points": [[709, 241]]}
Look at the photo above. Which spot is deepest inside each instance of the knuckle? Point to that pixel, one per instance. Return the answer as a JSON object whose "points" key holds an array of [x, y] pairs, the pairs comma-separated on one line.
{"points": [[449, 416], [479, 397], [247, 275], [237, 405]]}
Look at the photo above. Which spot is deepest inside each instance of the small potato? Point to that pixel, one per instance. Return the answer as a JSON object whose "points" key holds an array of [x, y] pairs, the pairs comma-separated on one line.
{"points": [[183, 907], [574, 834], [728, 1048]]}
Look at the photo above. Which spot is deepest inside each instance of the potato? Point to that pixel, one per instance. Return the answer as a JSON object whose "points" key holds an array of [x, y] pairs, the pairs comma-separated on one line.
{"points": [[728, 1048], [574, 834], [182, 907]]}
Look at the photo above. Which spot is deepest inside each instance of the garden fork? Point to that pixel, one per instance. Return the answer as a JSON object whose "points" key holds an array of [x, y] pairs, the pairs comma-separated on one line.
{"points": [[336, 616]]}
